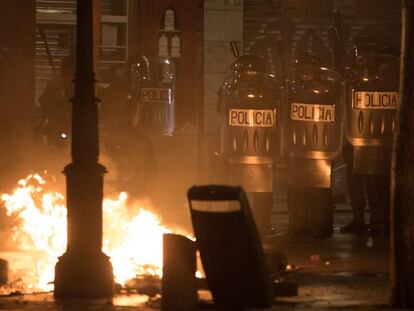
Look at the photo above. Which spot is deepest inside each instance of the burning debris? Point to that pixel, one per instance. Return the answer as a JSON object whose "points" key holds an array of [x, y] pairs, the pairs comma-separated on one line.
{"points": [[132, 237], [39, 227]]}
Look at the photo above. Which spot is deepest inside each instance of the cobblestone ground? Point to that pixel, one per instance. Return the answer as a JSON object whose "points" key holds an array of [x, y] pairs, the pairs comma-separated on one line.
{"points": [[343, 272]]}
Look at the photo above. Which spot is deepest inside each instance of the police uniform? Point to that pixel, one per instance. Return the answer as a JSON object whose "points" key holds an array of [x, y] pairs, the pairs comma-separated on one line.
{"points": [[55, 104], [371, 105], [249, 101], [313, 138]]}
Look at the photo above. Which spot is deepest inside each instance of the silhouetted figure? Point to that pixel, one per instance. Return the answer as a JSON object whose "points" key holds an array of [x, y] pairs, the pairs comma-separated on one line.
{"points": [[311, 144], [368, 150], [55, 105]]}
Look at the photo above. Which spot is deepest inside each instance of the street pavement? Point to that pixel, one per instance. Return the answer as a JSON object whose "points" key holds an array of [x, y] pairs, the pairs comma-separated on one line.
{"points": [[342, 272]]}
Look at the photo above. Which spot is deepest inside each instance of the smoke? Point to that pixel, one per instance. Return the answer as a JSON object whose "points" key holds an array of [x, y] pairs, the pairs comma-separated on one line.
{"points": [[158, 169]]}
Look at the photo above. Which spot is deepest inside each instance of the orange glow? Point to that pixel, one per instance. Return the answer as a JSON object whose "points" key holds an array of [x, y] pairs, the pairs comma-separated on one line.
{"points": [[132, 238], [132, 234]]}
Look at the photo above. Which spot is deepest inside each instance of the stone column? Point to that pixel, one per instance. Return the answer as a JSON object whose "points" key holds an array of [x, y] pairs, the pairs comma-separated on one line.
{"points": [[84, 271], [402, 175]]}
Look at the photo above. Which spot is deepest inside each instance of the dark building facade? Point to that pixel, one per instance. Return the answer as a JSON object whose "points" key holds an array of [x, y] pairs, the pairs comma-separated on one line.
{"points": [[307, 25], [206, 29]]}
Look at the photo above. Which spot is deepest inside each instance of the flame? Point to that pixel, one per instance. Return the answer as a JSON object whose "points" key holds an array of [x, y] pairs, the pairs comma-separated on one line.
{"points": [[134, 242], [132, 235]]}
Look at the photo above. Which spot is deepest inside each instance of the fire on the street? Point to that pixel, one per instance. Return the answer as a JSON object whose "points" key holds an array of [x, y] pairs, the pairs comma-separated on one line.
{"points": [[132, 234]]}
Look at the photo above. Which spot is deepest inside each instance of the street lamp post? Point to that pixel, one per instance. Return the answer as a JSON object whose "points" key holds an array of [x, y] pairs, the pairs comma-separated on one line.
{"points": [[84, 271]]}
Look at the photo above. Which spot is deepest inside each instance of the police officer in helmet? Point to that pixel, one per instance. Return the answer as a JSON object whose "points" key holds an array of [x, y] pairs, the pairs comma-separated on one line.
{"points": [[310, 204], [55, 104], [373, 69]]}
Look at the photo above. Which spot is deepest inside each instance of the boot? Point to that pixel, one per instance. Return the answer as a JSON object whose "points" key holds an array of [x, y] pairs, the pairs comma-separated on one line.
{"points": [[354, 226], [357, 225]]}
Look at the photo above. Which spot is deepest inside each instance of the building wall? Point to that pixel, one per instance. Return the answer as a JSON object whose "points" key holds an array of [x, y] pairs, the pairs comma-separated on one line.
{"points": [[300, 25], [17, 24], [380, 19], [308, 25], [223, 23]]}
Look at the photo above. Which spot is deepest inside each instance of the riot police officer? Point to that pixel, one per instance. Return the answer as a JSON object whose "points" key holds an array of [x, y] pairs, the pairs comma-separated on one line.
{"points": [[372, 100], [313, 138], [153, 94], [55, 104], [249, 101]]}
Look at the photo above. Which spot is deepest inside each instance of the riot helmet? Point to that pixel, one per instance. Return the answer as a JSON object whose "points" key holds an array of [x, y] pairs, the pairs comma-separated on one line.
{"points": [[139, 67], [139, 70], [365, 51], [308, 67], [163, 70], [365, 46], [365, 57], [250, 63]]}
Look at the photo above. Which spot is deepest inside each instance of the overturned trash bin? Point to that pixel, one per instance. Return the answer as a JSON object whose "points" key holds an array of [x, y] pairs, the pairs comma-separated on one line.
{"points": [[179, 289], [230, 248]]}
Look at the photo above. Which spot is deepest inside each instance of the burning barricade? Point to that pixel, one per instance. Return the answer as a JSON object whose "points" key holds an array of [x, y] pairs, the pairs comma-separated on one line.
{"points": [[37, 237]]}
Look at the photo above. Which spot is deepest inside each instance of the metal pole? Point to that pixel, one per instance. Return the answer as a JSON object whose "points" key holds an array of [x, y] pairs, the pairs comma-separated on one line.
{"points": [[84, 271], [339, 45], [402, 174]]}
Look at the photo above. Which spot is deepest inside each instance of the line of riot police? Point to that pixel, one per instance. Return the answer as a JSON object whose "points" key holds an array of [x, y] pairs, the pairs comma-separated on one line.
{"points": [[305, 123], [265, 121], [138, 102]]}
